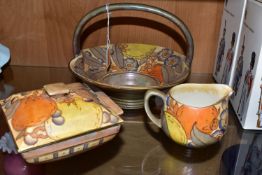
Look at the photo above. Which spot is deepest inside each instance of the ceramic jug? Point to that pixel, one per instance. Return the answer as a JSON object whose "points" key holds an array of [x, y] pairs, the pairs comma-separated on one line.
{"points": [[193, 115], [4, 56]]}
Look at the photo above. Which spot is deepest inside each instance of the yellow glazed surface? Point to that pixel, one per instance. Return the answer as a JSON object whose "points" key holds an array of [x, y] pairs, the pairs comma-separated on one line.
{"points": [[35, 119]]}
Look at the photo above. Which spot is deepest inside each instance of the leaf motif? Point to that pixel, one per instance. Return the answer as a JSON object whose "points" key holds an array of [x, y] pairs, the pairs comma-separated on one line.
{"points": [[169, 74], [97, 74], [99, 53], [118, 56], [90, 60], [200, 139]]}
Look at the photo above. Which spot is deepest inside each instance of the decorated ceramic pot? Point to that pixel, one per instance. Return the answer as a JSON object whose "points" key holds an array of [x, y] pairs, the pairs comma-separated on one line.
{"points": [[58, 121], [194, 115], [126, 71]]}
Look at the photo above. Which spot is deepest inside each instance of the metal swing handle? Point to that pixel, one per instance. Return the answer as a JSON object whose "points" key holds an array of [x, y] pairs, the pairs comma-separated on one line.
{"points": [[138, 7]]}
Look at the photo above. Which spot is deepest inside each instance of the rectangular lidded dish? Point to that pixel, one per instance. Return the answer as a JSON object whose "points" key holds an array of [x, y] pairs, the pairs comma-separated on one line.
{"points": [[59, 121]]}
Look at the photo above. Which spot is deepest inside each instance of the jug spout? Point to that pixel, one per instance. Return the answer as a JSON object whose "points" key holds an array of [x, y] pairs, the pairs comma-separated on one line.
{"points": [[226, 90]]}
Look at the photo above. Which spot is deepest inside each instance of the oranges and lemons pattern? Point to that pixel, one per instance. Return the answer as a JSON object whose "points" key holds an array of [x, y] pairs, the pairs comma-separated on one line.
{"points": [[178, 133], [36, 119], [194, 126], [163, 64]]}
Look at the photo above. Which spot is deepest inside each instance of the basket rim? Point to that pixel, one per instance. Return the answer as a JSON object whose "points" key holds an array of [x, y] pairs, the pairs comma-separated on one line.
{"points": [[125, 87]]}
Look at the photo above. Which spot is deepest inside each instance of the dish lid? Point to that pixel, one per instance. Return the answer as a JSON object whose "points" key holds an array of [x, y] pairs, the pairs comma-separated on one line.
{"points": [[57, 112]]}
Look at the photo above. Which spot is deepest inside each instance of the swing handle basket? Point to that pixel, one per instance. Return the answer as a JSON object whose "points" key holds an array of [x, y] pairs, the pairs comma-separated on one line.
{"points": [[138, 7]]}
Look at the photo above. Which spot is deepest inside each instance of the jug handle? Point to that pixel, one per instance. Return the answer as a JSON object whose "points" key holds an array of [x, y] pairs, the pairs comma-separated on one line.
{"points": [[148, 95]]}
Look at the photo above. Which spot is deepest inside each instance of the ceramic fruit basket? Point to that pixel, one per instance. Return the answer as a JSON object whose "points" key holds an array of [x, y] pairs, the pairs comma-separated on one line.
{"points": [[134, 68], [60, 121]]}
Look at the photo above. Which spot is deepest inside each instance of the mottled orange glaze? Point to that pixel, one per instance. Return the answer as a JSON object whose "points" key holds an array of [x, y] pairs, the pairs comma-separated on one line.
{"points": [[32, 111], [155, 71], [187, 117], [206, 119]]}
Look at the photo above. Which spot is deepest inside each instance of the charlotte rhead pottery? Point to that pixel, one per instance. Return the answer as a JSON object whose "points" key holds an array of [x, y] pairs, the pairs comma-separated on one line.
{"points": [[194, 115]]}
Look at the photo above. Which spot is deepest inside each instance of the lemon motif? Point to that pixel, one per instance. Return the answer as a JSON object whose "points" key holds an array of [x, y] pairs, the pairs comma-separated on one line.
{"points": [[79, 116], [138, 51], [176, 131]]}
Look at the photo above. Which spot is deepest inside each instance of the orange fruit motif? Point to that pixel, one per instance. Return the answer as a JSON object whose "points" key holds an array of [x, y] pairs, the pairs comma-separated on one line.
{"points": [[187, 117], [155, 71], [32, 111], [206, 119]]}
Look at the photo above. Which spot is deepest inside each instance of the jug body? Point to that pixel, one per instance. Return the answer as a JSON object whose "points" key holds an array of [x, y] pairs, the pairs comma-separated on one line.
{"points": [[194, 115]]}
